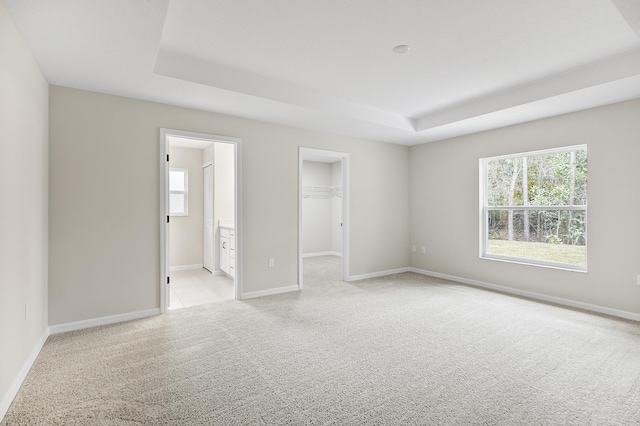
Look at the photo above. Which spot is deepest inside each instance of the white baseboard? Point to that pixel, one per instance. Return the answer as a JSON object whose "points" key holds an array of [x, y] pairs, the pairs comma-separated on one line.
{"points": [[7, 398], [269, 292], [322, 253], [531, 295], [186, 267], [378, 274], [94, 322]]}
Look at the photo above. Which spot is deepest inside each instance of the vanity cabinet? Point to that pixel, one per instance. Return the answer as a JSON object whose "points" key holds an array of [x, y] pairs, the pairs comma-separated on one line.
{"points": [[227, 251]]}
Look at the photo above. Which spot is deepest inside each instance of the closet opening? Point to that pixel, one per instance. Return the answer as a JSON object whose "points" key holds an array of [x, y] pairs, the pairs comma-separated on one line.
{"points": [[323, 217]]}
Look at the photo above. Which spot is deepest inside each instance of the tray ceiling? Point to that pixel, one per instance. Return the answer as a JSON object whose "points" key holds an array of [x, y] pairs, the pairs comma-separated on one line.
{"points": [[329, 65]]}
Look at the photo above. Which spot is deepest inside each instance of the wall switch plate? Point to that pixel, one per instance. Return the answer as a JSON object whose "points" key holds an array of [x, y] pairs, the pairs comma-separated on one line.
{"points": [[413, 249], [424, 250], [272, 262]]}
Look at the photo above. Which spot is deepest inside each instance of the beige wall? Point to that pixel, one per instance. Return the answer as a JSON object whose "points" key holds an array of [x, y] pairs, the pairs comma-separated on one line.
{"points": [[23, 215], [444, 205], [186, 233], [104, 212]]}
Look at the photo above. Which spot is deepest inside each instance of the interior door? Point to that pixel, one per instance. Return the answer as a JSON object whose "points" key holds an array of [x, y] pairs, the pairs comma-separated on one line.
{"points": [[208, 261]]}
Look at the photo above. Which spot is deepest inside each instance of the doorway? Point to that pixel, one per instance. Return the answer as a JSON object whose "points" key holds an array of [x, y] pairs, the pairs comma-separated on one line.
{"points": [[200, 192], [323, 228]]}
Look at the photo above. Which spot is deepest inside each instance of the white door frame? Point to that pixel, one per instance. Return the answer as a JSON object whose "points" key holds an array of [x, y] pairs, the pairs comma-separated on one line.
{"points": [[164, 205], [344, 158]]}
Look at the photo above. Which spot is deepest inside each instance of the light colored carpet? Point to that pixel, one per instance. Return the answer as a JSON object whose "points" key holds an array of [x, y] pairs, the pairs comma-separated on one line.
{"points": [[403, 349]]}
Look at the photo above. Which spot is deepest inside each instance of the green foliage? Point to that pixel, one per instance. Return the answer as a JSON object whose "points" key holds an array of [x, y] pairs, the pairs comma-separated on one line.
{"points": [[556, 179], [554, 239], [548, 180]]}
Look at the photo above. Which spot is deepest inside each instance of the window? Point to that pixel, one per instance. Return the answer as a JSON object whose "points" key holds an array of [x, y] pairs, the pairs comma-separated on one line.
{"points": [[178, 192], [534, 208]]}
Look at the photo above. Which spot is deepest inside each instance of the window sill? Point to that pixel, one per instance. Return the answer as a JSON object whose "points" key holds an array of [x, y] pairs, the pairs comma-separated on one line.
{"points": [[540, 264]]}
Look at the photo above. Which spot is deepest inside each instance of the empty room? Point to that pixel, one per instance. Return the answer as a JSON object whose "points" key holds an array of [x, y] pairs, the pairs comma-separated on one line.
{"points": [[320, 212]]}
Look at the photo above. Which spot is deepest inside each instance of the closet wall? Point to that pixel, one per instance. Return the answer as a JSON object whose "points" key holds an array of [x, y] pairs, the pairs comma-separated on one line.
{"points": [[336, 208], [321, 208]]}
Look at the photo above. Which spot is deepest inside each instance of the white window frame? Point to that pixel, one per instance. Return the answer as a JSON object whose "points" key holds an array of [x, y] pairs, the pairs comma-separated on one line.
{"points": [[484, 212], [185, 192]]}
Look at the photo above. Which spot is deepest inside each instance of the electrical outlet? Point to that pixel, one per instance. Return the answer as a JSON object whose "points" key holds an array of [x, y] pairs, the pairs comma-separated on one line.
{"points": [[424, 250], [413, 249], [272, 262]]}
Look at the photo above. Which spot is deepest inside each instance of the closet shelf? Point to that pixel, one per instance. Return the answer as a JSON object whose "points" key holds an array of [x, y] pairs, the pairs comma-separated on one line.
{"points": [[321, 192]]}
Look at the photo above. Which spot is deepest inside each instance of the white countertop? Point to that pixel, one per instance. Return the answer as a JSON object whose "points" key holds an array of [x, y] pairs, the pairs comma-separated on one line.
{"points": [[229, 224]]}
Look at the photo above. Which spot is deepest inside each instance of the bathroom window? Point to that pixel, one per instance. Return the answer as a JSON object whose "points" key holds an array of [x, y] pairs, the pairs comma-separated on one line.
{"points": [[178, 192]]}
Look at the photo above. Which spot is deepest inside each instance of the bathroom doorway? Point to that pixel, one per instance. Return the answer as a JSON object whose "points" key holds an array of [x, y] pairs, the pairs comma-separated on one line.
{"points": [[200, 203]]}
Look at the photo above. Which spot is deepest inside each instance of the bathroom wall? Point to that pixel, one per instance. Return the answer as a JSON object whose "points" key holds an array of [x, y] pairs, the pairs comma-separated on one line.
{"points": [[186, 234], [223, 193]]}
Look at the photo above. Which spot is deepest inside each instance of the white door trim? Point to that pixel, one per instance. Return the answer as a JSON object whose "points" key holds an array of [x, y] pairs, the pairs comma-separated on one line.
{"points": [[164, 205], [344, 158]]}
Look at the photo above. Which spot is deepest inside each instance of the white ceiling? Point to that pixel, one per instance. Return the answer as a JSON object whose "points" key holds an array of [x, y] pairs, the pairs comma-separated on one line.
{"points": [[328, 65]]}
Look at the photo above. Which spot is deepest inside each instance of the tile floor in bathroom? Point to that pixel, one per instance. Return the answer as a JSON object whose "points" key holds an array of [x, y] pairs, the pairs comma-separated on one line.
{"points": [[197, 287]]}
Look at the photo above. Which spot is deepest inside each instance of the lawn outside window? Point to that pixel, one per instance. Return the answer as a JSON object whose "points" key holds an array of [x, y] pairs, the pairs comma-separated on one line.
{"points": [[533, 208]]}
